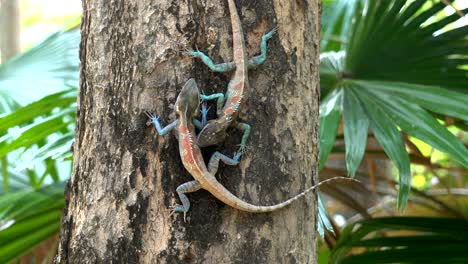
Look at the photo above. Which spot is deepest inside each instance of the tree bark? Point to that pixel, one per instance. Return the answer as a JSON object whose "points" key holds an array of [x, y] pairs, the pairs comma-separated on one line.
{"points": [[125, 175], [9, 29]]}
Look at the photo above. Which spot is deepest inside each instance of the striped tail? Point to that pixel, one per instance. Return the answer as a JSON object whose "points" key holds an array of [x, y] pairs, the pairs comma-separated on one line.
{"points": [[271, 208], [220, 192], [240, 56]]}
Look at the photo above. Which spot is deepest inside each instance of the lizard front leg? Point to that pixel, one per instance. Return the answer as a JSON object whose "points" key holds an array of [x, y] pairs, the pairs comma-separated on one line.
{"points": [[155, 121], [229, 66], [188, 187], [246, 128], [219, 97]]}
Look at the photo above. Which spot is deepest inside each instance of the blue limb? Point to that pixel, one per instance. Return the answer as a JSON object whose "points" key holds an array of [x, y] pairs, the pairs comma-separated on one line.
{"points": [[229, 66], [155, 121], [221, 67], [217, 156], [257, 60], [246, 128], [188, 187], [204, 111], [219, 103], [199, 125]]}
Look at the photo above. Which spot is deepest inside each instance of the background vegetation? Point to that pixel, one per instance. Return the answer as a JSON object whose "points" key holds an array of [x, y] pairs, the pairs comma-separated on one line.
{"points": [[394, 112]]}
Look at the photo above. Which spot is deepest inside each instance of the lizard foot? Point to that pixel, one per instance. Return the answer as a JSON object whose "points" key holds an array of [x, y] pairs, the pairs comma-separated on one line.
{"points": [[152, 118], [272, 32], [242, 150], [237, 155], [179, 209], [193, 53], [204, 112]]}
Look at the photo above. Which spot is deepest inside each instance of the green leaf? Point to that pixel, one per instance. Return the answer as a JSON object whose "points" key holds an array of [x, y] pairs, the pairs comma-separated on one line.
{"points": [[35, 134], [435, 254], [389, 138], [395, 42], [28, 225], [23, 244], [415, 121], [21, 205], [49, 67], [335, 26], [4, 169], [32, 111], [323, 218], [355, 131], [423, 240], [55, 149], [421, 244], [330, 113], [16, 181], [435, 99], [331, 66]]}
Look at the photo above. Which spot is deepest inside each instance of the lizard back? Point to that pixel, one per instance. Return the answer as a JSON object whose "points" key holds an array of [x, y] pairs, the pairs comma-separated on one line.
{"points": [[195, 165], [238, 86]]}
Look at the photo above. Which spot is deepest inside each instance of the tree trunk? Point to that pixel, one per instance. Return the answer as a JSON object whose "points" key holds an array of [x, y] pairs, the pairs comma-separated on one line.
{"points": [[125, 175], [9, 29]]}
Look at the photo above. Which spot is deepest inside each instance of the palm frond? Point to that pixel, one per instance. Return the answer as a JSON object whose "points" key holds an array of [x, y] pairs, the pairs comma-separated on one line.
{"points": [[428, 240], [28, 218], [47, 68], [336, 17], [401, 68]]}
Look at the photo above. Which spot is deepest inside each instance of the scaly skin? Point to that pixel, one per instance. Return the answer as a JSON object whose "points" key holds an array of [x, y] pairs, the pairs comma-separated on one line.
{"points": [[228, 108], [187, 108]]}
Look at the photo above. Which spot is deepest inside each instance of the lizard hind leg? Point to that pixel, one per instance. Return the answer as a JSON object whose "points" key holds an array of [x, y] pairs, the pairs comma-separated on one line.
{"points": [[218, 156], [188, 187], [221, 67], [260, 59], [230, 66]]}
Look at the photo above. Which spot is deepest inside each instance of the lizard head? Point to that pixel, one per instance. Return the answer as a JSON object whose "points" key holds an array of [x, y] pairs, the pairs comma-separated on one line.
{"points": [[188, 101], [213, 133]]}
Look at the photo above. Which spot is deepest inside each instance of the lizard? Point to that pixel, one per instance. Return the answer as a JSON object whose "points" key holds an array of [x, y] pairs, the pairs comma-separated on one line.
{"points": [[186, 108], [228, 108]]}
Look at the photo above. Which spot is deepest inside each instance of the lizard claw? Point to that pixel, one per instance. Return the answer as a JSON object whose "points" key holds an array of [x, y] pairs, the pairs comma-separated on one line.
{"points": [[193, 53], [205, 109], [204, 112], [179, 209], [150, 116], [237, 156], [153, 118], [274, 30], [242, 149], [271, 33]]}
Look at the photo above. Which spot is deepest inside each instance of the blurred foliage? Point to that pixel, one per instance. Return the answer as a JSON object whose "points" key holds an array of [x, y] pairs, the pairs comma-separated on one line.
{"points": [[29, 218], [414, 240], [37, 118], [41, 18], [393, 80]]}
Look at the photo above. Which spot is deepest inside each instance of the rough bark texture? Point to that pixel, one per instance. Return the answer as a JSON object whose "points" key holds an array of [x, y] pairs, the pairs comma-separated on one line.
{"points": [[125, 175], [9, 29]]}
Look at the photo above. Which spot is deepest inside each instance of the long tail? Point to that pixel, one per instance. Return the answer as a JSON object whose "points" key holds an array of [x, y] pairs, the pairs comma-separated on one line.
{"points": [[240, 58], [230, 199]]}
